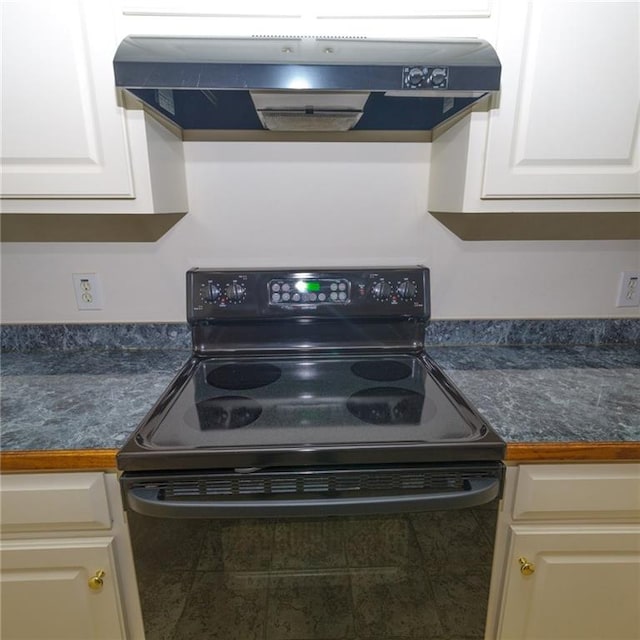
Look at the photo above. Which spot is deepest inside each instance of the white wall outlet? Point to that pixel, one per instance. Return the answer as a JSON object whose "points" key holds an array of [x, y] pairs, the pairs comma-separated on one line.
{"points": [[88, 291], [629, 289]]}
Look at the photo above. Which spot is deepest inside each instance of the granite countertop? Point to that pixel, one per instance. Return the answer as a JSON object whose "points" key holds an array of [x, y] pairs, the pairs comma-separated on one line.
{"points": [[551, 393], [93, 399], [88, 399]]}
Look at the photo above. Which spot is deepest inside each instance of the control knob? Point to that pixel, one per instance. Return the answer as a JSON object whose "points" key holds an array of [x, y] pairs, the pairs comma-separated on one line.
{"points": [[415, 77], [381, 290], [406, 290], [438, 77], [235, 291], [214, 292]]}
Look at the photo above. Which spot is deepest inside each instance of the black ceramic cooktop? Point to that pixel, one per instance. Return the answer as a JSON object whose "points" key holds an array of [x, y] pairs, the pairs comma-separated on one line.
{"points": [[309, 401]]}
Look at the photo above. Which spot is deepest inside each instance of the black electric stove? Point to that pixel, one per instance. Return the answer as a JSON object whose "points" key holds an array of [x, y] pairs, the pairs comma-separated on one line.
{"points": [[309, 374]]}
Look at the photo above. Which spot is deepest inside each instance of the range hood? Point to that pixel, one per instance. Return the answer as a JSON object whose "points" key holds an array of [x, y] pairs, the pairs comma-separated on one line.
{"points": [[306, 84]]}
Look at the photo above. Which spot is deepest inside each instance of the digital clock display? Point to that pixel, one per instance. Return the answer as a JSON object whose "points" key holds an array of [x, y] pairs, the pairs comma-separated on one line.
{"points": [[307, 287]]}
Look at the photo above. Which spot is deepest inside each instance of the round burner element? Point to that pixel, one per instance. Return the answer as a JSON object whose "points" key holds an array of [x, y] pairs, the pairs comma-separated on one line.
{"points": [[243, 376], [387, 405], [381, 370], [227, 412]]}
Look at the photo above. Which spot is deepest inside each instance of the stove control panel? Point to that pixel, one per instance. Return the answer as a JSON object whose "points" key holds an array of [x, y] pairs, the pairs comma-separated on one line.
{"points": [[323, 293]]}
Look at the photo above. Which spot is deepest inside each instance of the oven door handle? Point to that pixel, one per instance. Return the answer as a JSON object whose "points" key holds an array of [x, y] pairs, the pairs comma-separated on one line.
{"points": [[146, 501]]}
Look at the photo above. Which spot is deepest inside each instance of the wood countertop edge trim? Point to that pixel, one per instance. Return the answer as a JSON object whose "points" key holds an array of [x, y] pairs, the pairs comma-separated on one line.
{"points": [[59, 460], [573, 452], [105, 459]]}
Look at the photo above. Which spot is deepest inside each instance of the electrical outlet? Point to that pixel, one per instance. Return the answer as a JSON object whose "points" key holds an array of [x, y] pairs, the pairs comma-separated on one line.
{"points": [[88, 291], [629, 289]]}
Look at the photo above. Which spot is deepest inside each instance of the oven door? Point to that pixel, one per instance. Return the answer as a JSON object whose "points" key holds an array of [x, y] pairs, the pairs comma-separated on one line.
{"points": [[266, 556]]}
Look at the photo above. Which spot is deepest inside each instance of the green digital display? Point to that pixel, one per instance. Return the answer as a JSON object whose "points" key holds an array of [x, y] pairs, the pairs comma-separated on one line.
{"points": [[313, 286]]}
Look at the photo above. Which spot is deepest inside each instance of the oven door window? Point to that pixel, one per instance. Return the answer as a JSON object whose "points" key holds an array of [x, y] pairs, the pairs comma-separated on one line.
{"points": [[377, 577]]}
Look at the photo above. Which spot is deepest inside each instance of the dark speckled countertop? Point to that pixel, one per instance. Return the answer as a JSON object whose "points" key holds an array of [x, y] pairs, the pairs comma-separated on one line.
{"points": [[551, 393], [71, 394], [93, 399], [89, 399]]}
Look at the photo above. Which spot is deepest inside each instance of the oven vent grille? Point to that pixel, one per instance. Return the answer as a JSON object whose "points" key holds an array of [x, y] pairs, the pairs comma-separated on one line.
{"points": [[323, 483], [328, 484]]}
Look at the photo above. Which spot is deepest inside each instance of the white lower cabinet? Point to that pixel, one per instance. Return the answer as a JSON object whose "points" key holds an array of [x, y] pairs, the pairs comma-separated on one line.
{"points": [[66, 565], [567, 563], [585, 583], [62, 589]]}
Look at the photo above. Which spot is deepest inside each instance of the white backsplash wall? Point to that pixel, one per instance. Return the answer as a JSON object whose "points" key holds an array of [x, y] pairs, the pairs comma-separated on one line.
{"points": [[315, 204]]}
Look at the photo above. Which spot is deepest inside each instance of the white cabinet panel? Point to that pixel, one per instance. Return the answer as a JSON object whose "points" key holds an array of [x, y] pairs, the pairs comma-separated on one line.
{"points": [[68, 501], [212, 18], [316, 8], [550, 491], [404, 9], [213, 8], [567, 124], [46, 593], [585, 584], [403, 19], [63, 135]]}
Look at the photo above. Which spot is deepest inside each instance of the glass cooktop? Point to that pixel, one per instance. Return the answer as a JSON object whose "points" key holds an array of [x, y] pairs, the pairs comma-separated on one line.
{"points": [[308, 401]]}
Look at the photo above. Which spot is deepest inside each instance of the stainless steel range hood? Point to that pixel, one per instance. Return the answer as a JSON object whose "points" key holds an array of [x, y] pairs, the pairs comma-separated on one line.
{"points": [[306, 84]]}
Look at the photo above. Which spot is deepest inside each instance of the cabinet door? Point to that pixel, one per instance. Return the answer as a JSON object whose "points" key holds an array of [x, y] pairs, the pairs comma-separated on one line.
{"points": [[585, 584], [63, 134], [568, 119], [46, 593]]}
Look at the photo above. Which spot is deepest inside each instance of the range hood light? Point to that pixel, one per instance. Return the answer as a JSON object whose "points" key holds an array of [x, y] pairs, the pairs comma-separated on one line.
{"points": [[299, 83]]}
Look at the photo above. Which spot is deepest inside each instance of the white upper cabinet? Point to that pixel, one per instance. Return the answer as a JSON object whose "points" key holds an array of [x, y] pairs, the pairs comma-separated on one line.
{"points": [[62, 133], [67, 144], [563, 135], [568, 118]]}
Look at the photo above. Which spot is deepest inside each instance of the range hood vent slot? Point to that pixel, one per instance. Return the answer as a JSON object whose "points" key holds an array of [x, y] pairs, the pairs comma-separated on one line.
{"points": [[308, 111], [308, 120]]}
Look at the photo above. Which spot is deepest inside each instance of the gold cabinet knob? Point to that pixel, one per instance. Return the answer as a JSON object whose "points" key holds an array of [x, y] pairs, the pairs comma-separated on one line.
{"points": [[526, 567], [96, 582]]}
